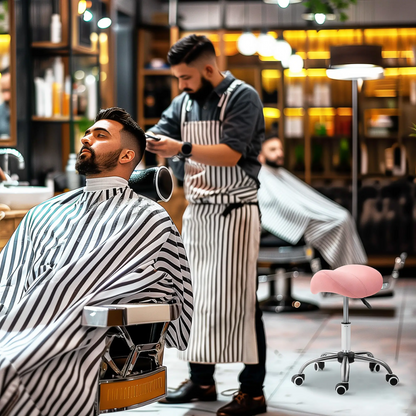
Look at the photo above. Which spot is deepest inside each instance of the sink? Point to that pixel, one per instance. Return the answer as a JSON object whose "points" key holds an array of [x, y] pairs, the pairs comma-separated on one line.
{"points": [[24, 197]]}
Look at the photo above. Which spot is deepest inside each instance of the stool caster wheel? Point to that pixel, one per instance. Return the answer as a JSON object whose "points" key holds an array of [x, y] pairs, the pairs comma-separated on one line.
{"points": [[392, 379], [298, 379], [319, 366], [374, 367], [341, 388]]}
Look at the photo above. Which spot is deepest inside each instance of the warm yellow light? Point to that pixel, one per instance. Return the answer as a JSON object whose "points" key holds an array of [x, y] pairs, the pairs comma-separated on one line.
{"points": [[267, 58], [103, 76], [270, 112], [407, 71], [344, 111], [385, 93], [319, 55], [82, 6], [321, 111], [231, 37], [4, 44], [270, 73], [316, 72], [391, 72], [293, 112], [299, 74], [103, 37], [394, 72]]}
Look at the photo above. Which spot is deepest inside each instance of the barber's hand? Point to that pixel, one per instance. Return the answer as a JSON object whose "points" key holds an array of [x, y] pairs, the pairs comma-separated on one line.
{"points": [[165, 147]]}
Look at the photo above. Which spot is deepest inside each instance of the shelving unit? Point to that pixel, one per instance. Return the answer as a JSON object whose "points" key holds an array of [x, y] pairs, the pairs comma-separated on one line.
{"points": [[79, 52]]}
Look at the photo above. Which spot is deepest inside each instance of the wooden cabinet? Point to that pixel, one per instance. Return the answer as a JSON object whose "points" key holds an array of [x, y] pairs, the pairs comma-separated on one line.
{"points": [[9, 224]]}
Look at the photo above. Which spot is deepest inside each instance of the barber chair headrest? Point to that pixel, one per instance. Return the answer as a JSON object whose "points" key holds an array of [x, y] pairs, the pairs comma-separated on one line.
{"points": [[156, 183]]}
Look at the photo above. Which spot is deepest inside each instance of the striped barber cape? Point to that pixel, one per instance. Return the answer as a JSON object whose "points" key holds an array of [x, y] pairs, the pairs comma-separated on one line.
{"points": [[291, 209], [80, 248]]}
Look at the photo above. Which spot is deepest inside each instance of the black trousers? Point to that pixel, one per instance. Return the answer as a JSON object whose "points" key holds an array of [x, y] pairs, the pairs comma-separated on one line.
{"points": [[252, 377]]}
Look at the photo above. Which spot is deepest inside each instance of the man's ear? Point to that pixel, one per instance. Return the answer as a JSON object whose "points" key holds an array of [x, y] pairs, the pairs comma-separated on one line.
{"points": [[261, 158], [208, 71], [126, 156]]}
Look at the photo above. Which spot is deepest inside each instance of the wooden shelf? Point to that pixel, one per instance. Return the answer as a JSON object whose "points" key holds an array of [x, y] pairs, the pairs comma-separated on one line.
{"points": [[57, 119], [155, 72]]}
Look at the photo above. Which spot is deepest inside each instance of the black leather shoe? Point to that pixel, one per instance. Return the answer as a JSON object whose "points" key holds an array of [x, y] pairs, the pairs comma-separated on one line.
{"points": [[189, 392], [243, 405]]}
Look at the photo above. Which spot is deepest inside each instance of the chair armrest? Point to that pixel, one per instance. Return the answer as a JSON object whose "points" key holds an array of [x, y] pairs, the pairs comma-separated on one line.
{"points": [[131, 314]]}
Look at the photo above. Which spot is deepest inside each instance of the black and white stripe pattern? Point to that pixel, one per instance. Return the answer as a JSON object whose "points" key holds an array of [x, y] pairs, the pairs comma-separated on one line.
{"points": [[78, 249], [223, 255], [291, 209], [213, 184], [222, 250]]}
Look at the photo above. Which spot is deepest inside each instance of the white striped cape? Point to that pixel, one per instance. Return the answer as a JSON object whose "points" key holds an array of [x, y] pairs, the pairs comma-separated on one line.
{"points": [[80, 248], [291, 209]]}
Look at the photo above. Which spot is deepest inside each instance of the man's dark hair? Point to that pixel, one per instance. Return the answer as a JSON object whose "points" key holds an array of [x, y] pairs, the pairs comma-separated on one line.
{"points": [[131, 130], [189, 49], [270, 137]]}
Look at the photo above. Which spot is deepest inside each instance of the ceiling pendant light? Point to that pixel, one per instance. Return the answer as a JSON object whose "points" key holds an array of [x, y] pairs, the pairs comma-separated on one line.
{"points": [[247, 44], [295, 63], [283, 3], [282, 49], [266, 45]]}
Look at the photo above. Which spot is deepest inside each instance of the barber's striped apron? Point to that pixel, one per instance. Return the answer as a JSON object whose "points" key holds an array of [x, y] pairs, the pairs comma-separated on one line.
{"points": [[221, 235]]}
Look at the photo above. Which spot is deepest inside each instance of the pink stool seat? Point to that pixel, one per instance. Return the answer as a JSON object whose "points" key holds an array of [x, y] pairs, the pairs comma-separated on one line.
{"points": [[354, 281]]}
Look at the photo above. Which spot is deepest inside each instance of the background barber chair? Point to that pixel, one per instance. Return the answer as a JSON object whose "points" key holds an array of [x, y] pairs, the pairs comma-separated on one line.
{"points": [[278, 263], [132, 373]]}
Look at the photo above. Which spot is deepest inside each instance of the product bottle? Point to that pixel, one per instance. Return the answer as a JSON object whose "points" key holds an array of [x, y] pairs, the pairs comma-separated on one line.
{"points": [[56, 29], [48, 88], [40, 96], [67, 96], [58, 72], [72, 177]]}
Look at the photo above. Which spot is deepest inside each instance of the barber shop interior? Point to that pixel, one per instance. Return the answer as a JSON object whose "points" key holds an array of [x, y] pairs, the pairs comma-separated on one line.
{"points": [[208, 207]]}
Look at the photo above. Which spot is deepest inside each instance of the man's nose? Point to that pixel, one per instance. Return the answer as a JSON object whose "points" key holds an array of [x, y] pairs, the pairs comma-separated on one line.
{"points": [[86, 139]]}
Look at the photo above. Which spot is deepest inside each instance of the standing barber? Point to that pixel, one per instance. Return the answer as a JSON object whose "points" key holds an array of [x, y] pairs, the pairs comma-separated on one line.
{"points": [[216, 127]]}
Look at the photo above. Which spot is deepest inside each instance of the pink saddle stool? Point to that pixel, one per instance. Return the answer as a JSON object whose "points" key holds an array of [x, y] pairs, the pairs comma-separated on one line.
{"points": [[356, 282]]}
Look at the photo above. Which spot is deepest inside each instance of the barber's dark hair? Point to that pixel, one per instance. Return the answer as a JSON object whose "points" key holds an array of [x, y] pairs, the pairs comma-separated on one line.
{"points": [[189, 49], [129, 125], [270, 137]]}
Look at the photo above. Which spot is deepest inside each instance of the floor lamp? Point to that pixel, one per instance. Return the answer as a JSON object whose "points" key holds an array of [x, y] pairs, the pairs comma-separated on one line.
{"points": [[353, 63]]}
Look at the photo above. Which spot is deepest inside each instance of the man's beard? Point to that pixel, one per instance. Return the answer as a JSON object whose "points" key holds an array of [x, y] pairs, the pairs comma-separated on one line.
{"points": [[94, 165], [274, 163], [203, 92]]}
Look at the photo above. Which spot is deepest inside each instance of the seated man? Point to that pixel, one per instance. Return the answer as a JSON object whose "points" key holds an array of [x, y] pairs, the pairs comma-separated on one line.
{"points": [[291, 209], [102, 244]]}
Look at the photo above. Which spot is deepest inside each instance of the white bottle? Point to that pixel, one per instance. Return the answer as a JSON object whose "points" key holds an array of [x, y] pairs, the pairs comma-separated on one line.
{"points": [[72, 176], [48, 89], [56, 29], [40, 96]]}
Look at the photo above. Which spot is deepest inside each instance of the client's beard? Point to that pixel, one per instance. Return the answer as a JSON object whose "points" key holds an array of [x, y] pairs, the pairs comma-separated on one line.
{"points": [[273, 164], [93, 165], [203, 93]]}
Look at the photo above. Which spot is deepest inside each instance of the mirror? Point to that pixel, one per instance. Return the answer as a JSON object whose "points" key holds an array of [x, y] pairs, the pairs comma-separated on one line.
{"points": [[7, 72]]}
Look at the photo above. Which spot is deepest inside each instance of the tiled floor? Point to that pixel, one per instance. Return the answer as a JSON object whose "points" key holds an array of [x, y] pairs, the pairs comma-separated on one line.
{"points": [[388, 331]]}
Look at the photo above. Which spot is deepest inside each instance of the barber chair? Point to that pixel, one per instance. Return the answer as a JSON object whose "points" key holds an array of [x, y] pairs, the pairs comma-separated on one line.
{"points": [[132, 374], [278, 263]]}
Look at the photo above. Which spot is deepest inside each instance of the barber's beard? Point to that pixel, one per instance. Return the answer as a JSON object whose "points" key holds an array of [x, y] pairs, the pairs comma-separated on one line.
{"points": [[274, 163], [93, 165], [204, 91]]}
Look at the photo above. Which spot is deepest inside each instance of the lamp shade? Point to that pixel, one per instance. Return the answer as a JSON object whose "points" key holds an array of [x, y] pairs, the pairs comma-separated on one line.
{"points": [[350, 62]]}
